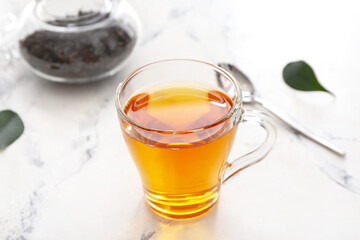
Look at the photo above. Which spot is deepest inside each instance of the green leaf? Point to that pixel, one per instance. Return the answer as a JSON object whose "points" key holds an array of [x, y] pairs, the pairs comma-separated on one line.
{"points": [[11, 128], [300, 76]]}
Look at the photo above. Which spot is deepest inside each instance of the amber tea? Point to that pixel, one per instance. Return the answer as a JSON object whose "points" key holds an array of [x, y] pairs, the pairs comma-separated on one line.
{"points": [[188, 168], [179, 118]]}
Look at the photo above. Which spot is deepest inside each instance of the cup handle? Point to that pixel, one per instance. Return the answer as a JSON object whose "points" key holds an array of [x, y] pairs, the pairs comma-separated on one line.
{"points": [[255, 156]]}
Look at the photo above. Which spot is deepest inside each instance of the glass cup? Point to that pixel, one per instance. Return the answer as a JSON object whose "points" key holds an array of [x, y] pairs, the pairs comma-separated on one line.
{"points": [[182, 171]]}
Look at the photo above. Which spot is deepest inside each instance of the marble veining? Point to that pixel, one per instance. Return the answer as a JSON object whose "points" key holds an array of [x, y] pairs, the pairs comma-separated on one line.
{"points": [[342, 177], [27, 216], [147, 236]]}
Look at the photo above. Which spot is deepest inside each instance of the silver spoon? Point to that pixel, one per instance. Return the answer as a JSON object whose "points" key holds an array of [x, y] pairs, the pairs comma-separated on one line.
{"points": [[249, 96]]}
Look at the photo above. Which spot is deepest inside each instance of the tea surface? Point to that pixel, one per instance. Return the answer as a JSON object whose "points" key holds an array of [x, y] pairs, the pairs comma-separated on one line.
{"points": [[178, 108]]}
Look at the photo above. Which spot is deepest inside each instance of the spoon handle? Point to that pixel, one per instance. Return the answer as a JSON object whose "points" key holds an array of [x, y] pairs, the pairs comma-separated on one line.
{"points": [[298, 127]]}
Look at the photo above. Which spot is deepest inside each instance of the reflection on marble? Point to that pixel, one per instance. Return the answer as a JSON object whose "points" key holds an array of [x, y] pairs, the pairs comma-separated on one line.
{"points": [[70, 176]]}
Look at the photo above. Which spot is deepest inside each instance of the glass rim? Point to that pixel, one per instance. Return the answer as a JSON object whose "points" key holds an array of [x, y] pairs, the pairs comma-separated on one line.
{"points": [[40, 15], [120, 109]]}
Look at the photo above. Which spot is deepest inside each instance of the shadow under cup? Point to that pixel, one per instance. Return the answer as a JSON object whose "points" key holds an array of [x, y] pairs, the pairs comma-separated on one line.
{"points": [[182, 171]]}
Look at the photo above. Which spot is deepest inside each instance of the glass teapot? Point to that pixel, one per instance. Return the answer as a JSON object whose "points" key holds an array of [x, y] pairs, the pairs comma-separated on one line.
{"points": [[77, 41]]}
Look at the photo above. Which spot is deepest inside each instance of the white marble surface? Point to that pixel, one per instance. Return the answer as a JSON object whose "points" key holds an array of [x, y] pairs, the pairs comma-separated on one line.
{"points": [[70, 175]]}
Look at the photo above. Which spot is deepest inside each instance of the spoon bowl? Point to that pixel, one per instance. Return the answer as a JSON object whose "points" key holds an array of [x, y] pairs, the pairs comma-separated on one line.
{"points": [[246, 85]]}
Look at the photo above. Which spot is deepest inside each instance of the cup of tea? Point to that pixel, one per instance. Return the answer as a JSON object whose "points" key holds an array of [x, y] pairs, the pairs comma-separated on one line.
{"points": [[179, 119]]}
